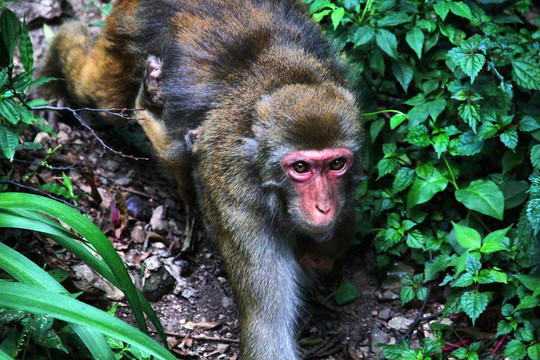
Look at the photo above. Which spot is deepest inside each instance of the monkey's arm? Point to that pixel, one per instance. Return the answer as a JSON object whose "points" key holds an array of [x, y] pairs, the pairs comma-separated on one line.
{"points": [[265, 276]]}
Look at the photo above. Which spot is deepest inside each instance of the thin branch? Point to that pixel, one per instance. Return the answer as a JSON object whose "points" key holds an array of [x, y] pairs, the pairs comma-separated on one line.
{"points": [[75, 112]]}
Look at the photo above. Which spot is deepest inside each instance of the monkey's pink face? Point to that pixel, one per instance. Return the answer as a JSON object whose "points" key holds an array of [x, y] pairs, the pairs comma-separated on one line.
{"points": [[316, 175]]}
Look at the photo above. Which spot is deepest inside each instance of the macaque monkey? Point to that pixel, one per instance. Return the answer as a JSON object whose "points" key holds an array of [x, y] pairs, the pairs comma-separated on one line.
{"points": [[247, 104]]}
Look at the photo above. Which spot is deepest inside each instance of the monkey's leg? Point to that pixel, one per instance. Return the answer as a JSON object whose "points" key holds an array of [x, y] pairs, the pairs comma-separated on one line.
{"points": [[100, 73], [174, 151]]}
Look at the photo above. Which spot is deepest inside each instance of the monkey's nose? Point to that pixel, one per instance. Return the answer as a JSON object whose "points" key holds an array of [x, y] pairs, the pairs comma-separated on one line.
{"points": [[323, 209]]}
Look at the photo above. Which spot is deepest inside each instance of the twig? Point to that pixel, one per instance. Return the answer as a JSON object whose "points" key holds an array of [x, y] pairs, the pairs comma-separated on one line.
{"points": [[200, 337], [75, 112], [41, 192]]}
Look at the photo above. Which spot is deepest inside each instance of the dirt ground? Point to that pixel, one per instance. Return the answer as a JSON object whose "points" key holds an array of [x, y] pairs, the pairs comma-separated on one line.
{"points": [[136, 205]]}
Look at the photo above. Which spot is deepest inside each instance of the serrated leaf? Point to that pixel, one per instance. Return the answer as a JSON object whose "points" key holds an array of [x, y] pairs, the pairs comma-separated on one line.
{"points": [[467, 237], [415, 39], [489, 276], [9, 110], [531, 282], [472, 64], [515, 350], [503, 328], [8, 141], [10, 30], [470, 113], [345, 293], [3, 76], [396, 120], [461, 9], [472, 265], [436, 107], [363, 35], [404, 178], [418, 136], [25, 49], [403, 73], [474, 303], [534, 351], [467, 144], [415, 239], [483, 196], [509, 138], [422, 191], [526, 74], [440, 143], [407, 294], [494, 241], [535, 156], [528, 124], [463, 280], [387, 42], [386, 166], [337, 16], [425, 170]]}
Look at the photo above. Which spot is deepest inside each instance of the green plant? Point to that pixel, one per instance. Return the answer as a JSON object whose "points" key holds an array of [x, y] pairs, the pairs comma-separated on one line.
{"points": [[454, 183]]}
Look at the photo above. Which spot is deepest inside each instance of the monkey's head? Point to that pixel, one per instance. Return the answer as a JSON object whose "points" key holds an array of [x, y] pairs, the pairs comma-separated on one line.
{"points": [[310, 136]]}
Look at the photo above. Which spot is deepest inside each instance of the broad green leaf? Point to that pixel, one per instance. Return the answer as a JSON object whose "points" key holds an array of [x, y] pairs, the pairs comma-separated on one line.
{"points": [[467, 144], [318, 16], [488, 276], [423, 190], [9, 110], [387, 42], [8, 141], [386, 166], [467, 237], [482, 196], [515, 350], [535, 156], [10, 30], [494, 241], [396, 120], [528, 302], [415, 239], [461, 9], [472, 264], [407, 294], [534, 351], [528, 124], [403, 73], [510, 138], [471, 114], [363, 35], [463, 280], [393, 18], [418, 136], [474, 303], [441, 8], [26, 50], [403, 179], [3, 76], [415, 39], [526, 73], [337, 16], [436, 107], [440, 143], [515, 193], [472, 64], [531, 282], [345, 293]]}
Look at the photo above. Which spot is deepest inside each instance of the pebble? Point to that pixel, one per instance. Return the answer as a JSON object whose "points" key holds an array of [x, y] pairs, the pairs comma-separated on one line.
{"points": [[399, 323]]}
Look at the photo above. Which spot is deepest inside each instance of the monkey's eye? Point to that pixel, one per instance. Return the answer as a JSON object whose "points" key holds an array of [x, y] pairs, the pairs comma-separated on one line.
{"points": [[300, 167], [337, 164]]}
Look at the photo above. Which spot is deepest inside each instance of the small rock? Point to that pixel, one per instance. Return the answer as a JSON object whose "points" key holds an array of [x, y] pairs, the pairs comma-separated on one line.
{"points": [[123, 181], [138, 234], [222, 348], [374, 313], [384, 314], [400, 323], [157, 221], [63, 137], [387, 295], [227, 302], [42, 137], [378, 336]]}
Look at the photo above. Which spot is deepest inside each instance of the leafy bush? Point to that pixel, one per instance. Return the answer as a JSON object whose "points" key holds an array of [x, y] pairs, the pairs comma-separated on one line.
{"points": [[454, 181]]}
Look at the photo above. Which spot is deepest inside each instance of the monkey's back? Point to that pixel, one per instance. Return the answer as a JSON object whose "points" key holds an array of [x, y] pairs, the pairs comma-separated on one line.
{"points": [[210, 49]]}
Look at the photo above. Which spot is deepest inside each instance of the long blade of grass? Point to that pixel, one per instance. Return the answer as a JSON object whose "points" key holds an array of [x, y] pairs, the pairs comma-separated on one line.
{"points": [[4, 356], [33, 299], [27, 272], [90, 233]]}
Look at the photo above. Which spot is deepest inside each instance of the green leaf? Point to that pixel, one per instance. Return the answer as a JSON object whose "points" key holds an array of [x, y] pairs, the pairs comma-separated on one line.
{"points": [[386, 166], [510, 138], [345, 293], [403, 73], [531, 282], [534, 351], [494, 241], [9, 110], [393, 18], [419, 136], [461, 9], [483, 196], [463, 280], [526, 73], [535, 156], [515, 350], [387, 42], [415, 239], [440, 143], [10, 26], [8, 140], [404, 178], [415, 39], [423, 190], [470, 113], [337, 16], [528, 124], [436, 107], [467, 237], [441, 8], [467, 144], [318, 16], [363, 35], [472, 265], [504, 327], [407, 294], [474, 303], [25, 49], [396, 120], [472, 64]]}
